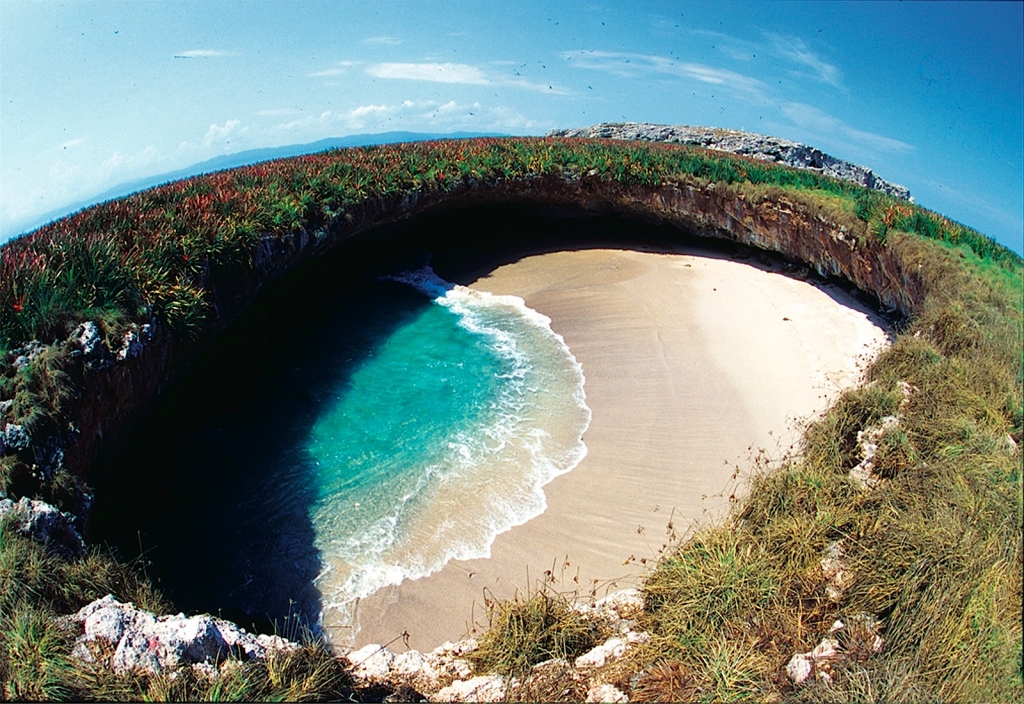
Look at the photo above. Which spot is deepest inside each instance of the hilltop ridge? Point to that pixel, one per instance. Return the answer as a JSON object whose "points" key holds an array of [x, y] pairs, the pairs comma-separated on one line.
{"points": [[756, 146]]}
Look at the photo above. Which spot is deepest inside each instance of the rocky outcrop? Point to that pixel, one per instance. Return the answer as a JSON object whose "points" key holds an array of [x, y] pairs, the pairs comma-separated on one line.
{"points": [[756, 146], [127, 639], [44, 524]]}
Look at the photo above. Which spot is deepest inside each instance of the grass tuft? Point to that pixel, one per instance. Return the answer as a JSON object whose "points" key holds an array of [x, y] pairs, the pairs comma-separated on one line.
{"points": [[527, 630]]}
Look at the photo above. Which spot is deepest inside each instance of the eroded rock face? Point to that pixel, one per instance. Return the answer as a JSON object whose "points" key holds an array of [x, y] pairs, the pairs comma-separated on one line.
{"points": [[128, 639], [756, 146]]}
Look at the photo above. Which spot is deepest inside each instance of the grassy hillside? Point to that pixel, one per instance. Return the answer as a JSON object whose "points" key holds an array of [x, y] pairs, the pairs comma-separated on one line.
{"points": [[933, 551]]}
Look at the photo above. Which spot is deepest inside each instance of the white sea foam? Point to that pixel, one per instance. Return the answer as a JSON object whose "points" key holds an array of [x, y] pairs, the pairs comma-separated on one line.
{"points": [[490, 478]]}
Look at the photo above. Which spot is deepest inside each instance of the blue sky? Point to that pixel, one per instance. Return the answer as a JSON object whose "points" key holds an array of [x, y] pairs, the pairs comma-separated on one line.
{"points": [[93, 94]]}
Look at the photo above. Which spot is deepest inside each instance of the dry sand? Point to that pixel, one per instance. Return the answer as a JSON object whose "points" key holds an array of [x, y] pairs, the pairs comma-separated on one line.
{"points": [[693, 363]]}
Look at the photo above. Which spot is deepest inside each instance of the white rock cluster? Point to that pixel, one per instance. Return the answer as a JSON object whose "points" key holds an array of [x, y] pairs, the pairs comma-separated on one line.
{"points": [[869, 440], [89, 341], [445, 675], [128, 639], [13, 437], [863, 634], [837, 576]]}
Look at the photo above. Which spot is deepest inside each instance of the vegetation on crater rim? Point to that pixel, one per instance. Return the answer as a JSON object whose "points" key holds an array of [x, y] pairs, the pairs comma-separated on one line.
{"points": [[934, 550]]}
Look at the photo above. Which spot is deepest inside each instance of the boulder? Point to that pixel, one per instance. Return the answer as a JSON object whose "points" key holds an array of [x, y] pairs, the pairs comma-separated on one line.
{"points": [[45, 524], [14, 437]]}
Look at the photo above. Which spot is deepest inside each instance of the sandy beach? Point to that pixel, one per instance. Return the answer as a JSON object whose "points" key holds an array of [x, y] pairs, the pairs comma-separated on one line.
{"points": [[693, 363]]}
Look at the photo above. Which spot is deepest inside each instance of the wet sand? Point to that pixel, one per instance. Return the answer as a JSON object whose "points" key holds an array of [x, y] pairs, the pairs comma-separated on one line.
{"points": [[693, 364]]}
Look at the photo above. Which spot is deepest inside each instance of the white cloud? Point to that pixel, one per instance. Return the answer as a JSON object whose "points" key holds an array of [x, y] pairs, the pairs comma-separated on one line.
{"points": [[503, 118], [278, 112], [364, 110], [464, 74], [71, 143], [60, 170], [340, 68], [796, 50], [413, 115], [334, 122], [202, 54], [327, 72], [976, 203], [119, 166], [386, 41], [828, 128], [439, 73], [630, 65], [217, 134], [738, 49]]}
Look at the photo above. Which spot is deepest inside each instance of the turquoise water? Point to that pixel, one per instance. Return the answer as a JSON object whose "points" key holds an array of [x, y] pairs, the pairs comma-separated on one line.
{"points": [[321, 451], [441, 440]]}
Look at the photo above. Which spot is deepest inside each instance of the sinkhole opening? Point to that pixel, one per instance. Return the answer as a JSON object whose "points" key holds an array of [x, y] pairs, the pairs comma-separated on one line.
{"points": [[364, 421]]}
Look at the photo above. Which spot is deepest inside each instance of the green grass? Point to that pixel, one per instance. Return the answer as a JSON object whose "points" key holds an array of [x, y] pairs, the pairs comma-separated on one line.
{"points": [[934, 551], [529, 629]]}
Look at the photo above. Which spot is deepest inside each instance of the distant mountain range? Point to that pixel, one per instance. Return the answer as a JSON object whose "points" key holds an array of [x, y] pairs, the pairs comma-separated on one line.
{"points": [[230, 161]]}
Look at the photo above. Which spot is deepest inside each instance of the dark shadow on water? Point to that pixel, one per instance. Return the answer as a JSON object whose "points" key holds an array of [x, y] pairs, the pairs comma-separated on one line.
{"points": [[216, 487]]}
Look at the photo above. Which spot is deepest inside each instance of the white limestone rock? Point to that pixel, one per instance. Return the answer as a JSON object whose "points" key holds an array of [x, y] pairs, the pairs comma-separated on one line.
{"points": [[799, 668], [869, 439], [837, 578], [131, 346], [88, 338], [817, 662], [485, 688], [626, 603], [143, 641], [14, 437], [606, 693], [412, 662], [371, 662], [611, 649]]}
